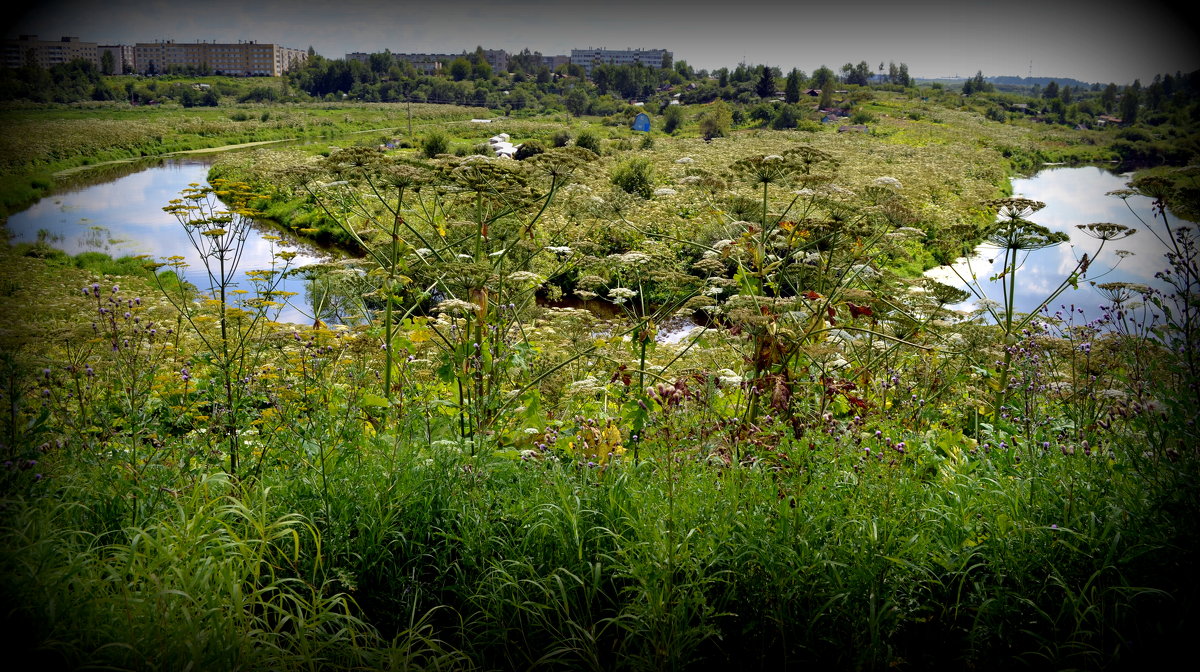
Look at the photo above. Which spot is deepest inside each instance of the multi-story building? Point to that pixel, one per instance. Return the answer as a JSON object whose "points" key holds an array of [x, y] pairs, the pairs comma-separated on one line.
{"points": [[553, 62], [122, 58], [591, 57], [497, 58], [431, 64], [427, 64], [245, 58], [29, 49]]}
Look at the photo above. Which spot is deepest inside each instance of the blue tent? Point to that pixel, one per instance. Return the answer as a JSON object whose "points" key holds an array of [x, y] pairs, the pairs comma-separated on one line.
{"points": [[641, 122]]}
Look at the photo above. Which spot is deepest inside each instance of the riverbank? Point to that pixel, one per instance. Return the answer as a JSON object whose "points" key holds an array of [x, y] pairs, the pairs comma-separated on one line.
{"points": [[38, 146]]}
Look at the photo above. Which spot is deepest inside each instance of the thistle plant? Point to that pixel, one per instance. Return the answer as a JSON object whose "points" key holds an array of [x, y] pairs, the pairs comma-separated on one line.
{"points": [[1181, 307]]}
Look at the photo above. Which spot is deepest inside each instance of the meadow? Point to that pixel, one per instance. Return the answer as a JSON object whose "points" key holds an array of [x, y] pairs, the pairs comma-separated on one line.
{"points": [[484, 454]]}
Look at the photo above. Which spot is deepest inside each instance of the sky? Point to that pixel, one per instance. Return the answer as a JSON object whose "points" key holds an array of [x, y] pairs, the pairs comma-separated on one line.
{"points": [[1093, 41]]}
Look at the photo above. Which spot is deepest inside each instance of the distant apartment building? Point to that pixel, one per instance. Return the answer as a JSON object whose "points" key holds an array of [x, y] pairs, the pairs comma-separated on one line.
{"points": [[590, 57], [497, 58], [241, 59], [553, 62], [46, 53], [427, 64], [122, 58]]}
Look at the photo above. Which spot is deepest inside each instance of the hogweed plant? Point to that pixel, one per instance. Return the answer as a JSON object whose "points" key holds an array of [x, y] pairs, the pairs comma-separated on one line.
{"points": [[217, 219], [1015, 236], [465, 233]]}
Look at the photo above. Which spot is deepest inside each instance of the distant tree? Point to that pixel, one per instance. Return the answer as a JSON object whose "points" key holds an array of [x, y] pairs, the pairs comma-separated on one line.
{"points": [[978, 84], [380, 62], [857, 74], [460, 69], [823, 78], [791, 89], [577, 101], [107, 65], [1108, 99], [904, 79], [1065, 94], [525, 61], [766, 83], [785, 118], [1129, 103], [1051, 90], [826, 100]]}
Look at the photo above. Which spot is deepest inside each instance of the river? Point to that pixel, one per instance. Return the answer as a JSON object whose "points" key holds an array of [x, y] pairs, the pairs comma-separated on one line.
{"points": [[1073, 196], [124, 216]]}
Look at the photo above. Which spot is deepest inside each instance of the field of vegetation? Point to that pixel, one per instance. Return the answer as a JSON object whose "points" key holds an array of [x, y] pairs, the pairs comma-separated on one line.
{"points": [[628, 401]]}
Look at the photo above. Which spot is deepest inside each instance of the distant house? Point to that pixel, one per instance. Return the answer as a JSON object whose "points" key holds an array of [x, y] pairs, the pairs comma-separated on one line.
{"points": [[1107, 119], [813, 93]]}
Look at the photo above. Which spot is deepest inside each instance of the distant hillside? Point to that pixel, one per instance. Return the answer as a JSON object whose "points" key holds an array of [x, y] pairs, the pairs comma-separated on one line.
{"points": [[1010, 81]]}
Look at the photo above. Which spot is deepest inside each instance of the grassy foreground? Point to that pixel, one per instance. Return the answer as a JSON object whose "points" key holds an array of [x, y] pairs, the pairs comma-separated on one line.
{"points": [[838, 474]]}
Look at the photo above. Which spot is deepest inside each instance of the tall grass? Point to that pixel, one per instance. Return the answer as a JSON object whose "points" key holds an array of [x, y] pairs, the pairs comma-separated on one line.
{"points": [[463, 497]]}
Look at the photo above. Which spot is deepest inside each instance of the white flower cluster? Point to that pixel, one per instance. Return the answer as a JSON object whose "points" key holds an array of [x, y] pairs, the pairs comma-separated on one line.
{"points": [[621, 294], [526, 277], [456, 306]]}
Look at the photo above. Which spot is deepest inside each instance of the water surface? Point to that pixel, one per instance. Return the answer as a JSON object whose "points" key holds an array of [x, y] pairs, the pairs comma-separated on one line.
{"points": [[1073, 196], [124, 216]]}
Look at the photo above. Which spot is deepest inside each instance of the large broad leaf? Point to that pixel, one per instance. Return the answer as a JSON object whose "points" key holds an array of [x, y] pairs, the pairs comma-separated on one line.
{"points": [[372, 400]]}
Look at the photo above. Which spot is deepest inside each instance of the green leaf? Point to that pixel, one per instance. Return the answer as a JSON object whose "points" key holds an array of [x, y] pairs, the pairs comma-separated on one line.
{"points": [[373, 400]]}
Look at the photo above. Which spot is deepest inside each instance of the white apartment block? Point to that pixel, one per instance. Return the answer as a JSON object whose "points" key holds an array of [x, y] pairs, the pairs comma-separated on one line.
{"points": [[47, 53], [243, 59], [591, 57]]}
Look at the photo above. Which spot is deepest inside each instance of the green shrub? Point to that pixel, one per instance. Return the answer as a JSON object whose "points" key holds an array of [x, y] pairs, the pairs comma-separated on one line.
{"points": [[588, 140], [435, 143], [672, 118], [529, 148], [635, 176]]}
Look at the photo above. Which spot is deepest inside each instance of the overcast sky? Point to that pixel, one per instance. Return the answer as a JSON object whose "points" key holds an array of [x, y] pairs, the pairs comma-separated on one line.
{"points": [[1094, 41]]}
